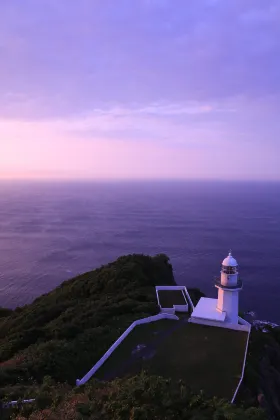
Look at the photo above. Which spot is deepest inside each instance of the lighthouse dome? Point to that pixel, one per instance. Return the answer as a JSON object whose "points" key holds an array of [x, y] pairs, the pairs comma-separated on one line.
{"points": [[229, 261]]}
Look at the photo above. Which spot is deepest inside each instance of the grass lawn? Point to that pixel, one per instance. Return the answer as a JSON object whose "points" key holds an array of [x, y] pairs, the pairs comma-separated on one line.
{"points": [[145, 334], [206, 358], [168, 298]]}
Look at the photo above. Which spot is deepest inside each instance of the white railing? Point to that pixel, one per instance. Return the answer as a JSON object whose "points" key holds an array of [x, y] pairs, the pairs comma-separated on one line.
{"points": [[14, 403], [108, 353], [244, 322], [189, 298], [245, 357]]}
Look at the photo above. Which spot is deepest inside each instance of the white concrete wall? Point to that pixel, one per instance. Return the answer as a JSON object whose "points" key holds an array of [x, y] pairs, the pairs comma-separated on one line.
{"points": [[244, 362], [243, 322], [14, 403], [181, 308], [236, 327], [167, 310], [189, 298], [120, 340], [170, 287], [158, 298]]}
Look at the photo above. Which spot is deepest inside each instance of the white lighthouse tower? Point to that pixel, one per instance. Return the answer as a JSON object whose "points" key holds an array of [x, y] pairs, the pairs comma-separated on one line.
{"points": [[228, 289], [222, 312]]}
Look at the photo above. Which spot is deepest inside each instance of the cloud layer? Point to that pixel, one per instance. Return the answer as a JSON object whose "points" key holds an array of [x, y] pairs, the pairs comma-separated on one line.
{"points": [[198, 80]]}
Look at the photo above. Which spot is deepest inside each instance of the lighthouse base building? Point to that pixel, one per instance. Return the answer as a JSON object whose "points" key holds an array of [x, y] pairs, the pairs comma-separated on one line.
{"points": [[223, 311]]}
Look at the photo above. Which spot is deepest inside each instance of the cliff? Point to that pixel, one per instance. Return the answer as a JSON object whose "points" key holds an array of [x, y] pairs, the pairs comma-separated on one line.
{"points": [[45, 346]]}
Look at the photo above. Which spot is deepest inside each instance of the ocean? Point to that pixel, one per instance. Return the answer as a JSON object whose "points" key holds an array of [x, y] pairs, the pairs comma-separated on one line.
{"points": [[52, 231]]}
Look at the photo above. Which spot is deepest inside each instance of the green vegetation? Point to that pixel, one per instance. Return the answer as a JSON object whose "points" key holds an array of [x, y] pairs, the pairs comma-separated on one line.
{"points": [[139, 398], [63, 333], [208, 358], [46, 346], [169, 298]]}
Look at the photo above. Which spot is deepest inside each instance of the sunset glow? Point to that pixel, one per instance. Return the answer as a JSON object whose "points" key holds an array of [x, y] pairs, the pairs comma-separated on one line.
{"points": [[153, 89]]}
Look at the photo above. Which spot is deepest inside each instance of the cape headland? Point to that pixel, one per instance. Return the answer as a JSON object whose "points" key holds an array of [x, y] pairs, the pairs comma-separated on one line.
{"points": [[156, 371]]}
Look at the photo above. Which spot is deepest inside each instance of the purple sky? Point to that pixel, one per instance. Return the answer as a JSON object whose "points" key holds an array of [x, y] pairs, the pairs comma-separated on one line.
{"points": [[140, 89]]}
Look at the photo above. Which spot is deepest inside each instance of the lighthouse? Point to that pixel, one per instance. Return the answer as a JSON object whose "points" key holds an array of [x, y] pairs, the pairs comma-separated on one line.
{"points": [[229, 286], [222, 311]]}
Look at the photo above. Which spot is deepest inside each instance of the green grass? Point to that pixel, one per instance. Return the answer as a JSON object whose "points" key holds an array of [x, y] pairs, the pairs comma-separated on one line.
{"points": [[142, 334], [168, 298], [206, 358]]}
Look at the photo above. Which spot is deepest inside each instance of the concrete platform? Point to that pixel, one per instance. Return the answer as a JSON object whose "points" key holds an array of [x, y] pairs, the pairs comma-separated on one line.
{"points": [[206, 309]]}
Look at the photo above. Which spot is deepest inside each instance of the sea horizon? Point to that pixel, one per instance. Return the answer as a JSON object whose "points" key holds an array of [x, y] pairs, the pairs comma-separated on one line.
{"points": [[49, 235]]}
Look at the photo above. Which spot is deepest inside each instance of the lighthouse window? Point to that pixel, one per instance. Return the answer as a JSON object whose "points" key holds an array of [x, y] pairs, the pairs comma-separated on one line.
{"points": [[229, 270]]}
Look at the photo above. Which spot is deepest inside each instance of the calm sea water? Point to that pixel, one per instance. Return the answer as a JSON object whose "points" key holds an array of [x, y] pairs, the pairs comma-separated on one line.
{"points": [[50, 232]]}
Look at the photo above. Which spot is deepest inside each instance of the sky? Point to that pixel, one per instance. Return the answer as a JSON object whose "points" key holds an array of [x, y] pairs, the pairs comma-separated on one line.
{"points": [[142, 89]]}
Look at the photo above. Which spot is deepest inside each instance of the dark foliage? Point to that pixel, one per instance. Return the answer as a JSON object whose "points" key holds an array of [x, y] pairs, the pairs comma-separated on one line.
{"points": [[5, 312], [195, 295], [63, 333], [139, 398]]}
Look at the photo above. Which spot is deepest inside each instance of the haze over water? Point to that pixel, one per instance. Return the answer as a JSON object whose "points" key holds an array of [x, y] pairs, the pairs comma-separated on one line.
{"points": [[50, 232]]}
